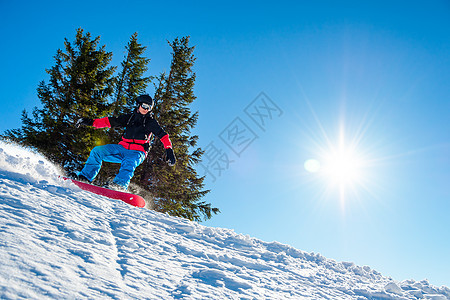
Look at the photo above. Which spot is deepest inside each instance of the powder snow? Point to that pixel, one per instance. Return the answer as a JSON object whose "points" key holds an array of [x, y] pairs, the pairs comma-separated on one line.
{"points": [[60, 242]]}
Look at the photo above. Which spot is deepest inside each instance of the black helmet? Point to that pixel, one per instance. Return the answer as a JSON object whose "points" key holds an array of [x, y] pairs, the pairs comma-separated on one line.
{"points": [[145, 99]]}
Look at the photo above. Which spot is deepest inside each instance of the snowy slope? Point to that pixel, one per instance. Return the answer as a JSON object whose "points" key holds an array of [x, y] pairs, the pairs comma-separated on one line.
{"points": [[59, 242]]}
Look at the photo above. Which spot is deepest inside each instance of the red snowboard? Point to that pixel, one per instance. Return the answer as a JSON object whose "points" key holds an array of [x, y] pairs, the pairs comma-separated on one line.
{"points": [[132, 199]]}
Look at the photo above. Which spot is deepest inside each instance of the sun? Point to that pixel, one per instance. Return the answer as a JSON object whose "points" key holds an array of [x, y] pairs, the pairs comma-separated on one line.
{"points": [[342, 165], [345, 155]]}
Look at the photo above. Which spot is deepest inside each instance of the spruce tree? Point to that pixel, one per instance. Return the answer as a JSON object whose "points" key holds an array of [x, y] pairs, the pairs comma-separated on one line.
{"points": [[176, 190], [80, 83], [131, 82]]}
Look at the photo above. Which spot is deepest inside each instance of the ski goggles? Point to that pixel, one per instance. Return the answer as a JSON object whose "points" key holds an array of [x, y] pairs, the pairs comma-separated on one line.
{"points": [[146, 106]]}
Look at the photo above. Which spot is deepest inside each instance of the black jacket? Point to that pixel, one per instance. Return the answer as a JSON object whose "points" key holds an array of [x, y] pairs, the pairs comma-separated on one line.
{"points": [[138, 130]]}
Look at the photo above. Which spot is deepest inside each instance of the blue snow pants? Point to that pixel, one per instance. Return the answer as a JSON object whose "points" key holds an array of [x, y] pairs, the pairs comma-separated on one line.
{"points": [[114, 153]]}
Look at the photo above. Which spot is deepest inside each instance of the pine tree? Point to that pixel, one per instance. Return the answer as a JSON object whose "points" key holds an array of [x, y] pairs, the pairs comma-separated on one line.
{"points": [[79, 86], [176, 190], [129, 83]]}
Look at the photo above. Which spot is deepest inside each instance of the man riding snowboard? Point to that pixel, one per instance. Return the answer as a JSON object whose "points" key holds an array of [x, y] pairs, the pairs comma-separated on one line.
{"points": [[132, 149]]}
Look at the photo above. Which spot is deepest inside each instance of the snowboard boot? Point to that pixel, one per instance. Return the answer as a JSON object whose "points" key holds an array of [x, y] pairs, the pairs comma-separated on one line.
{"points": [[116, 187], [79, 177]]}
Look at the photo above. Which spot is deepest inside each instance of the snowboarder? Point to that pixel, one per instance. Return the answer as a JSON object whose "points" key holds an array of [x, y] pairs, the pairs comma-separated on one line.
{"points": [[132, 149]]}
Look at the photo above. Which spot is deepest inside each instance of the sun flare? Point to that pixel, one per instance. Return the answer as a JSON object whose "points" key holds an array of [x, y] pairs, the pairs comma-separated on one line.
{"points": [[342, 166]]}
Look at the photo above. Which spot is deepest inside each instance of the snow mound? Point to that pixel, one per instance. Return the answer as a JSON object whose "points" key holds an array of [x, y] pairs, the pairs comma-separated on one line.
{"points": [[26, 165], [59, 242]]}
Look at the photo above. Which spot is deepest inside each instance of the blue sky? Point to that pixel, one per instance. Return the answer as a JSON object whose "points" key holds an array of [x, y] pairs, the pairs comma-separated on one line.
{"points": [[359, 88]]}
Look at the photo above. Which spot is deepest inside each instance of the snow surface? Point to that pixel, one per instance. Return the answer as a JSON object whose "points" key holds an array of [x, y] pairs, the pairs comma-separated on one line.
{"points": [[59, 242]]}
